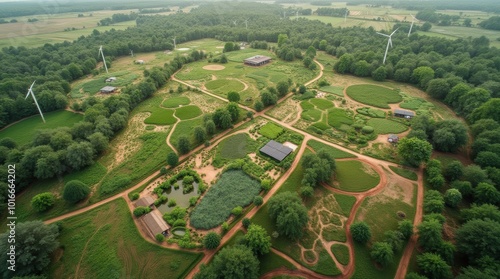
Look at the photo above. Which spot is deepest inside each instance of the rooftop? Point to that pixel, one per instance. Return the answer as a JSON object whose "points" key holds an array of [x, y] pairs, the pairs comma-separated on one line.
{"points": [[276, 150], [145, 201], [404, 112], [257, 59], [155, 223], [108, 88]]}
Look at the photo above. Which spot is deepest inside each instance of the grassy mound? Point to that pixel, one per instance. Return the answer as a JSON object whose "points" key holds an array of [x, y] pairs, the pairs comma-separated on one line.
{"points": [[321, 103], [270, 130], [175, 102], [355, 176], [373, 95], [339, 91], [188, 112], [385, 126], [160, 116], [337, 117]]}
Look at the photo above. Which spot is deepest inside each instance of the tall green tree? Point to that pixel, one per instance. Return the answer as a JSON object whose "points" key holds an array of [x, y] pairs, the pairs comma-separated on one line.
{"points": [[258, 240], [183, 145], [361, 232], [429, 233], [414, 151], [231, 262], [289, 214], [433, 266], [211, 240], [75, 191], [172, 159], [382, 253]]}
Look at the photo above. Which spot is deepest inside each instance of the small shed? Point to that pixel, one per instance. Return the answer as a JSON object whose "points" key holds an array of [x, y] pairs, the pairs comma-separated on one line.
{"points": [[404, 113], [108, 89], [147, 201], [257, 60], [139, 61], [155, 223], [392, 138], [111, 79], [276, 150]]}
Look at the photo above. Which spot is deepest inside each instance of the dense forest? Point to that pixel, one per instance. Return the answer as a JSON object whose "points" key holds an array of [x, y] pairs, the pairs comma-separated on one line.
{"points": [[464, 74]]}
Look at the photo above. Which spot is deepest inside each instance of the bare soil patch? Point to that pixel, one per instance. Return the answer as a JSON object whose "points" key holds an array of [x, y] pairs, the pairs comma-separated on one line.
{"points": [[213, 67]]}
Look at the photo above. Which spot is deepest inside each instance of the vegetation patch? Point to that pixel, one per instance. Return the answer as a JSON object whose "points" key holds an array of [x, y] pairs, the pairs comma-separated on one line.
{"points": [[334, 233], [175, 102], [385, 126], [234, 147], [185, 128], [311, 115], [221, 198], [188, 112], [336, 153], [355, 176], [409, 174], [90, 175], [337, 117], [371, 112], [225, 85], [345, 202], [305, 105], [321, 125], [321, 103], [271, 130], [341, 252], [160, 116], [373, 95], [339, 91]]}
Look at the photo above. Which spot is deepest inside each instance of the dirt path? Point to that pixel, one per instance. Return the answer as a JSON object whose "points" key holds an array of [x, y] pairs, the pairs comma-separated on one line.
{"points": [[321, 68], [170, 134]]}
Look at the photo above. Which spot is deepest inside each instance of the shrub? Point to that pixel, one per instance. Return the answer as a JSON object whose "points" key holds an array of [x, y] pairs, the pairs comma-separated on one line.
{"points": [[160, 237], [141, 210], [257, 200], [163, 170], [225, 227], [134, 196], [367, 130], [211, 240], [43, 201], [174, 215], [188, 179], [452, 197], [161, 200], [171, 203], [75, 191], [406, 228], [465, 187], [193, 200], [246, 223], [172, 159], [382, 253], [265, 184], [237, 211], [361, 232], [179, 223]]}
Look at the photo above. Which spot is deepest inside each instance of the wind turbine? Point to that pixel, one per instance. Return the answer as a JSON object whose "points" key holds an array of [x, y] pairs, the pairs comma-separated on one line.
{"points": [[411, 26], [246, 23], [103, 59], [132, 53], [174, 44], [345, 16], [389, 42], [234, 22], [30, 91], [297, 15]]}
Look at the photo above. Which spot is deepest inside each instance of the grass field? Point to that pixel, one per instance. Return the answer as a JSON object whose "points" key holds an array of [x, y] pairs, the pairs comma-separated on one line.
{"points": [[176, 102], [91, 86], [104, 243], [341, 252], [160, 116], [336, 90], [321, 104], [337, 117], [409, 174], [234, 147], [345, 202], [185, 128], [355, 176], [225, 85], [270, 130], [385, 126], [24, 131], [373, 95], [188, 112], [371, 112], [336, 153]]}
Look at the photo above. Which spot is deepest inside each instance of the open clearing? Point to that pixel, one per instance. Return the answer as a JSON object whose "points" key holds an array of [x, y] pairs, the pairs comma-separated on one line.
{"points": [[373, 95], [355, 176], [214, 67]]}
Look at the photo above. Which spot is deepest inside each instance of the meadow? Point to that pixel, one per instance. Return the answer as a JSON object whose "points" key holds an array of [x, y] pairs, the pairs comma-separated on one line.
{"points": [[160, 116], [409, 174], [336, 153], [373, 95], [355, 176], [386, 126], [271, 130], [234, 147]]}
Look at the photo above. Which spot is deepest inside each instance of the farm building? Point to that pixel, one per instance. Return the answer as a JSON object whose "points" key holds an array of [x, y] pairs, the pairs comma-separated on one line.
{"points": [[257, 60], [404, 113], [155, 224], [108, 89], [111, 79], [139, 61], [147, 201], [276, 150], [392, 138]]}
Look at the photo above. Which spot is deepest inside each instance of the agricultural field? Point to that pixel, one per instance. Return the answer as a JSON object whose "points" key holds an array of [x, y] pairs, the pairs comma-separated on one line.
{"points": [[234, 147], [355, 176], [373, 95]]}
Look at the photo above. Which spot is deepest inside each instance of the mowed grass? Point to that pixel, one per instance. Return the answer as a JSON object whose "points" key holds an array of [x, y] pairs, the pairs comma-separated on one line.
{"points": [[336, 90], [373, 95], [345, 202], [337, 117], [270, 130], [92, 86], [160, 116], [176, 102], [341, 252], [321, 104], [24, 131], [371, 112], [225, 85], [185, 128], [311, 115], [385, 126], [105, 243], [409, 174], [188, 112], [355, 176], [336, 153], [235, 147]]}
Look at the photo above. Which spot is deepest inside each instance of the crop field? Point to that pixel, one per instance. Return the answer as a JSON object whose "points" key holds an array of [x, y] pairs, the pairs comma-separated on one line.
{"points": [[373, 95], [336, 90], [92, 249], [371, 112], [270, 130], [24, 131], [336, 153], [160, 116], [355, 176], [188, 112], [224, 85], [337, 117], [311, 115], [234, 147], [321, 104], [176, 102], [215, 207], [385, 126], [409, 174]]}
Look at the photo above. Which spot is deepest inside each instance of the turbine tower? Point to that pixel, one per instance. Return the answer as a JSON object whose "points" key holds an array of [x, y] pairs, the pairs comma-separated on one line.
{"points": [[103, 59], [411, 26], [174, 44], [246, 23], [345, 15], [30, 91], [389, 42], [234, 22], [297, 15], [132, 53]]}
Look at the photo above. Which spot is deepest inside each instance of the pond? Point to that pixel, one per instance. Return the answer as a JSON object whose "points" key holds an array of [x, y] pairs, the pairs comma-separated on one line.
{"points": [[177, 194], [179, 231]]}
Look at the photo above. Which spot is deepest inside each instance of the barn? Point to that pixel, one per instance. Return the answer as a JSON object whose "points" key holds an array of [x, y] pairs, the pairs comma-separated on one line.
{"points": [[276, 150], [146, 201], [404, 113], [257, 60], [108, 89], [155, 224]]}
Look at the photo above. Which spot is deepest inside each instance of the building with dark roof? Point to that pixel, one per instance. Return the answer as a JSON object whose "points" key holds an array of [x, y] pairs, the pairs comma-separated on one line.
{"points": [[404, 113], [146, 201], [155, 223], [276, 150], [108, 89], [257, 60], [392, 138]]}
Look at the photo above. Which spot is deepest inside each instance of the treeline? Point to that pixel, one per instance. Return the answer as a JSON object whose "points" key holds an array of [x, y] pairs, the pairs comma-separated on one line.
{"points": [[492, 23], [117, 18], [465, 5], [438, 18], [154, 11], [341, 12]]}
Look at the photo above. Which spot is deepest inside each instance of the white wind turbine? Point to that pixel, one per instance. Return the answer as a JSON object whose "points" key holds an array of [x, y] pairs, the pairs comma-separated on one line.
{"points": [[30, 91], [345, 16], [174, 43], [411, 26], [389, 42], [246, 23], [132, 53], [103, 59], [234, 22]]}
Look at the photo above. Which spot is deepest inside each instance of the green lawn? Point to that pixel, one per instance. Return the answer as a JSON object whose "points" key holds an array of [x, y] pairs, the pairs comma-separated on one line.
{"points": [[188, 112], [336, 153], [373, 95], [337, 117], [270, 130], [355, 176], [311, 115], [386, 126], [92, 86], [341, 252], [225, 85], [160, 116], [371, 112], [234, 147], [185, 128], [24, 131], [336, 90], [105, 243], [405, 173], [345, 202], [305, 105], [176, 102], [321, 104]]}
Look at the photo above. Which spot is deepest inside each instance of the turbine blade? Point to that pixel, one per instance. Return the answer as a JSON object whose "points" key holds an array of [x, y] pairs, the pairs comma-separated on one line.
{"points": [[393, 32], [382, 34], [390, 41], [29, 91]]}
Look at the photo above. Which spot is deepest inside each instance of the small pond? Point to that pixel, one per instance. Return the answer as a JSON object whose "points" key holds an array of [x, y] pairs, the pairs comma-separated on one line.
{"points": [[177, 194], [179, 232]]}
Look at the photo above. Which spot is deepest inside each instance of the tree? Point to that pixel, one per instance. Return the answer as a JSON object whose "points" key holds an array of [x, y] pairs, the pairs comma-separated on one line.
{"points": [[465, 187], [237, 211], [483, 212], [311, 51], [449, 135], [211, 240], [486, 193], [160, 237], [382, 253], [234, 111], [438, 88], [199, 134], [183, 145], [99, 142], [75, 191], [233, 96], [433, 202], [246, 223], [395, 239], [172, 159], [453, 170], [414, 151], [35, 243], [429, 233], [232, 262], [379, 74], [79, 155], [258, 240], [259, 106], [361, 232], [406, 228], [210, 127], [223, 59], [257, 200], [422, 76], [268, 98], [282, 88], [282, 39], [452, 197], [478, 238], [289, 214], [426, 26], [344, 64], [302, 89], [475, 175], [433, 266], [43, 201]]}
